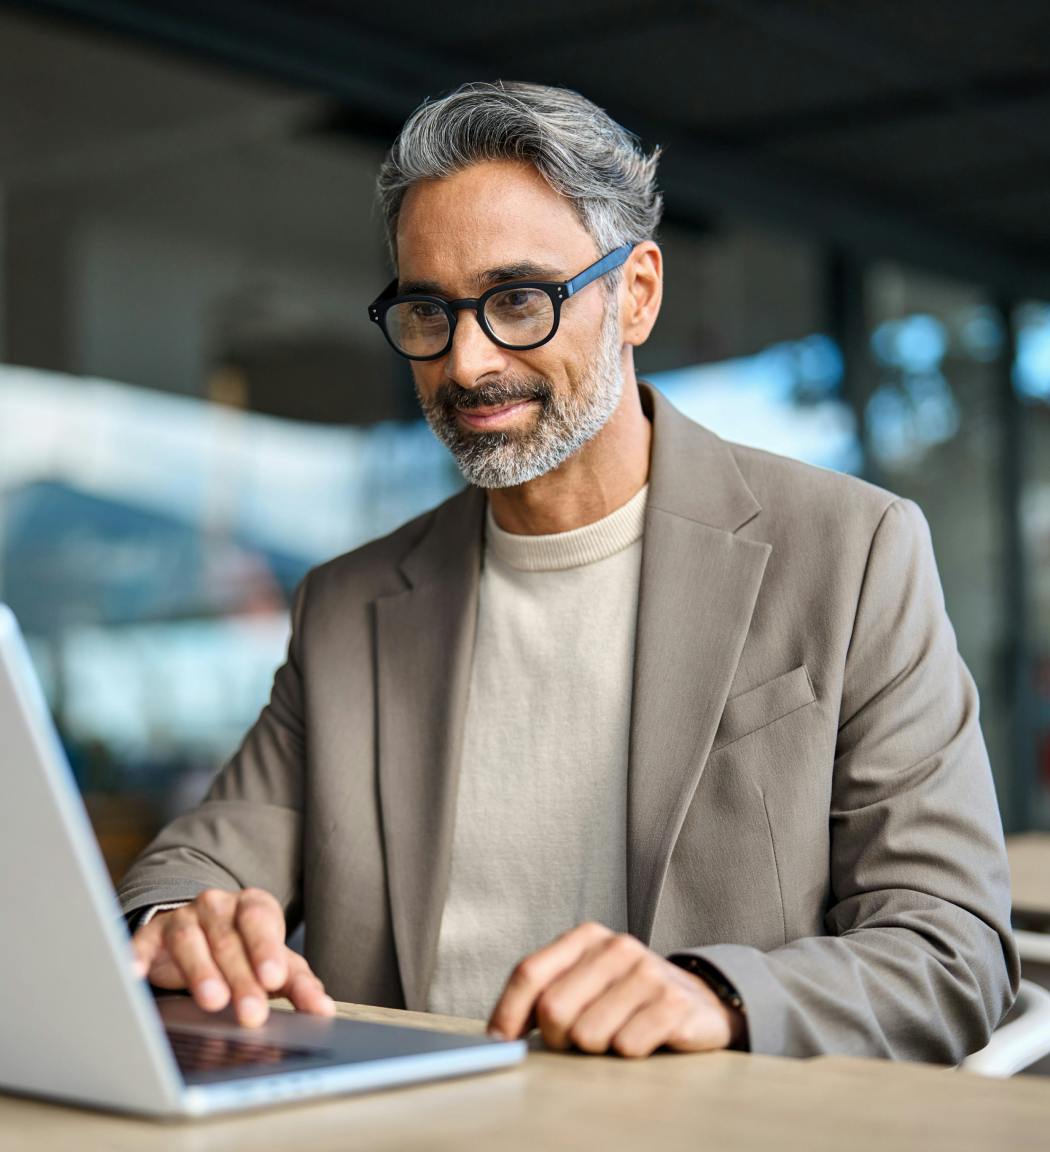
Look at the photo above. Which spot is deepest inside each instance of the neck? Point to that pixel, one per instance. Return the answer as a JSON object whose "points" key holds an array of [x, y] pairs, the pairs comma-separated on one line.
{"points": [[606, 472]]}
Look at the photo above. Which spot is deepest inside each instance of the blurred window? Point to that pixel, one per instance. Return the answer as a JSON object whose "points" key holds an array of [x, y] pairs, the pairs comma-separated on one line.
{"points": [[1032, 384], [786, 399], [150, 544]]}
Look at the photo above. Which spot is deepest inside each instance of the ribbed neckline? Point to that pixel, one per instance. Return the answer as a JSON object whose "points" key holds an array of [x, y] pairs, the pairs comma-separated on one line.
{"points": [[572, 549]]}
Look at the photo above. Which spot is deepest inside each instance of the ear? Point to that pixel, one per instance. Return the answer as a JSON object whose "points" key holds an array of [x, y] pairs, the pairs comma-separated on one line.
{"points": [[641, 292]]}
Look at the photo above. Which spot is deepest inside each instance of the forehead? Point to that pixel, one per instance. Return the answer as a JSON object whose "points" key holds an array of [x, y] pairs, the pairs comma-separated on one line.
{"points": [[490, 214]]}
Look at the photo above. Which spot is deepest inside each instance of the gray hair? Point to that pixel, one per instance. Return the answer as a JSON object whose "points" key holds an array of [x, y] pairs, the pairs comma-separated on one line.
{"points": [[580, 151]]}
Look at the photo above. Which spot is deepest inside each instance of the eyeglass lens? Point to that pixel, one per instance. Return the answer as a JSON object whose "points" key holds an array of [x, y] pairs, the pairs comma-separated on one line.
{"points": [[518, 317]]}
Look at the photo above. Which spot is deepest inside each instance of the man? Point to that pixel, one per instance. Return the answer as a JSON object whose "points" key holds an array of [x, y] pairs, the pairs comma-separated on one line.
{"points": [[646, 738]]}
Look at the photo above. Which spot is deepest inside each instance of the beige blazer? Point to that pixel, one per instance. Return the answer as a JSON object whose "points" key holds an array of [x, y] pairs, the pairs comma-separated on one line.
{"points": [[810, 805]]}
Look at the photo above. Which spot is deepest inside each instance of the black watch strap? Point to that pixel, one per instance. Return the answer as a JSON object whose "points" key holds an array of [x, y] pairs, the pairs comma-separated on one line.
{"points": [[711, 976]]}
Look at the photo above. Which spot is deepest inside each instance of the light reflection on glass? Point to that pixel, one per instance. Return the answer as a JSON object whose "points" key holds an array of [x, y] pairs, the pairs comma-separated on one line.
{"points": [[913, 408], [783, 400], [1032, 370]]}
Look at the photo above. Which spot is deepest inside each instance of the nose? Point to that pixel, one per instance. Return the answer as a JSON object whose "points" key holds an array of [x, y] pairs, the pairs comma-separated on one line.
{"points": [[473, 356]]}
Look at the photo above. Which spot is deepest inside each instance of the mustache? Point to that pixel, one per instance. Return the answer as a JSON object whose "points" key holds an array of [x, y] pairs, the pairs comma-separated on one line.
{"points": [[450, 396]]}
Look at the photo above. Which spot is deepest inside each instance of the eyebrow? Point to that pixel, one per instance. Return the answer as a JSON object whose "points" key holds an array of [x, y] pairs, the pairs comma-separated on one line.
{"points": [[503, 274]]}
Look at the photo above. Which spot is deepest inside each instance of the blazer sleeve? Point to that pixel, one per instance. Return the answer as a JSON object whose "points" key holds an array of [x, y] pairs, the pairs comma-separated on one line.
{"points": [[919, 961], [247, 831]]}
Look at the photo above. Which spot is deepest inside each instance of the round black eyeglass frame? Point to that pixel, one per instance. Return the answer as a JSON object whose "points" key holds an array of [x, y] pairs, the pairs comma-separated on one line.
{"points": [[558, 291]]}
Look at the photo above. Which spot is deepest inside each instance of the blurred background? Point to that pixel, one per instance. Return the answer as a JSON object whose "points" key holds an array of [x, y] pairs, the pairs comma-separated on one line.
{"points": [[194, 408]]}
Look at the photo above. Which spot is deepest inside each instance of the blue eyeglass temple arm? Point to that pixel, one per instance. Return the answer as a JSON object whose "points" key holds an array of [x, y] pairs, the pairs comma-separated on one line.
{"points": [[615, 258], [607, 263]]}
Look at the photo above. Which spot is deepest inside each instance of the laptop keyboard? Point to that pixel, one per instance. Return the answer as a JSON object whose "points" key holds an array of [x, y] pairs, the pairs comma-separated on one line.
{"points": [[198, 1052]]}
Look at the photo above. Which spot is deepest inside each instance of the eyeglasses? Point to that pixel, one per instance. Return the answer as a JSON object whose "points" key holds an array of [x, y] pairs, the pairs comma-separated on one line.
{"points": [[519, 316]]}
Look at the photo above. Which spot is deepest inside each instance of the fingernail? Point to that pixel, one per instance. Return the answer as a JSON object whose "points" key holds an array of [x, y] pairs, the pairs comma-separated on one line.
{"points": [[327, 1004], [495, 1033], [213, 992], [251, 1010], [270, 974], [139, 969]]}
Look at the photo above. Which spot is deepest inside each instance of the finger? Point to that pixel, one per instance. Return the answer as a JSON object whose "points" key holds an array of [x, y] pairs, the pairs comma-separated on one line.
{"points": [[563, 1001], [189, 950], [601, 1020], [535, 972], [250, 1000], [159, 968], [260, 923], [305, 990], [675, 1018], [146, 946]]}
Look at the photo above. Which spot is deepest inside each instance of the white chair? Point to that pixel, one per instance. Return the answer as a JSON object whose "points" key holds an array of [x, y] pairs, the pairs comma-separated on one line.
{"points": [[1023, 1039], [1033, 946]]}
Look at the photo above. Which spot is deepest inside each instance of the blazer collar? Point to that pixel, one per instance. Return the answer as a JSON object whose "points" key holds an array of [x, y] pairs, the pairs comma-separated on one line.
{"points": [[699, 585], [692, 472], [424, 645], [452, 544]]}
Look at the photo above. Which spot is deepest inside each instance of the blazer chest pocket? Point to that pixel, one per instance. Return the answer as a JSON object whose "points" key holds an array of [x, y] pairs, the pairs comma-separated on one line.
{"points": [[763, 705]]}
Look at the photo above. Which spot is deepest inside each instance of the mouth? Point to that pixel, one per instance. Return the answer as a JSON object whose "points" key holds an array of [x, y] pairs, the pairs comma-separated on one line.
{"points": [[494, 416]]}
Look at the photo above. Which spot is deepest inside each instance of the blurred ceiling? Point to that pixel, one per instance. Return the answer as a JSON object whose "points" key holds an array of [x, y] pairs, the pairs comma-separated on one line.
{"points": [[915, 131]]}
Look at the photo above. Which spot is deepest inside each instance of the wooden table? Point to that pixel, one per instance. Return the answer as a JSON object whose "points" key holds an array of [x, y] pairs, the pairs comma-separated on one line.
{"points": [[1029, 856], [722, 1101]]}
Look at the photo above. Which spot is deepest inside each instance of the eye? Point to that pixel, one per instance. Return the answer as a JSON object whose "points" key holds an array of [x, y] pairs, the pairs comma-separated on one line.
{"points": [[518, 303], [424, 310], [516, 298]]}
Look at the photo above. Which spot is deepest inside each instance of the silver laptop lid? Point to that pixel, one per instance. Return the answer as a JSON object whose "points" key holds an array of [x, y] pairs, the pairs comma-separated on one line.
{"points": [[74, 1022]]}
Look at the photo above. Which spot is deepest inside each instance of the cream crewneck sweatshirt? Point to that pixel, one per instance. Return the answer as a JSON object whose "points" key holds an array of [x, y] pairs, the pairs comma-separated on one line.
{"points": [[541, 813]]}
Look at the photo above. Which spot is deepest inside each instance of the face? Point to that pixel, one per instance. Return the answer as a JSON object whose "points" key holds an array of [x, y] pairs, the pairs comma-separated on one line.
{"points": [[509, 416]]}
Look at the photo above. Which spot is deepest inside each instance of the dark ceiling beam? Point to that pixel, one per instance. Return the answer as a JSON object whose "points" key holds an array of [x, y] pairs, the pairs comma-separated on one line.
{"points": [[565, 26], [380, 79], [988, 94], [820, 32], [359, 68], [711, 181]]}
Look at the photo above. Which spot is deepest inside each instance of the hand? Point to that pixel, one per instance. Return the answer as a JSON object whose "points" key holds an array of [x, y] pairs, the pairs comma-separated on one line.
{"points": [[228, 944], [600, 990]]}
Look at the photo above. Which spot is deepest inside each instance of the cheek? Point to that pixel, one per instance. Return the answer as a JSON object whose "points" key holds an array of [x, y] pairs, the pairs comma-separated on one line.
{"points": [[566, 359], [427, 378], [583, 315], [580, 334]]}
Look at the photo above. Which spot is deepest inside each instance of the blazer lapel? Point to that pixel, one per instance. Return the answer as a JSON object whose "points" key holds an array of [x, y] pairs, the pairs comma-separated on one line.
{"points": [[699, 584], [424, 644]]}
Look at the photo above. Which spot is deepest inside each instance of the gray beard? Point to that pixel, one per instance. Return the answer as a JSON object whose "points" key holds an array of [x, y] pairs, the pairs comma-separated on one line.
{"points": [[563, 426]]}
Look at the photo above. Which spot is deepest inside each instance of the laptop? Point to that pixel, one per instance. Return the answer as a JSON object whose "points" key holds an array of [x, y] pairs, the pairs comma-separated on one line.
{"points": [[78, 1026]]}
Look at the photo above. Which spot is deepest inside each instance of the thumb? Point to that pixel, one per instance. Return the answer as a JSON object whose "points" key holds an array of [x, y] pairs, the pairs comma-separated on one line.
{"points": [[144, 948]]}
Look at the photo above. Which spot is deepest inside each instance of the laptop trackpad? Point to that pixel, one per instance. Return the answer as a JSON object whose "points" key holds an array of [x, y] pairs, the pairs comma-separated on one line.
{"points": [[212, 1046]]}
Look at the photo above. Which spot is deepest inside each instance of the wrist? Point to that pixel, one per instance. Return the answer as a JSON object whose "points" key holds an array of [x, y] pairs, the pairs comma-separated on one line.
{"points": [[736, 1023], [729, 1000]]}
